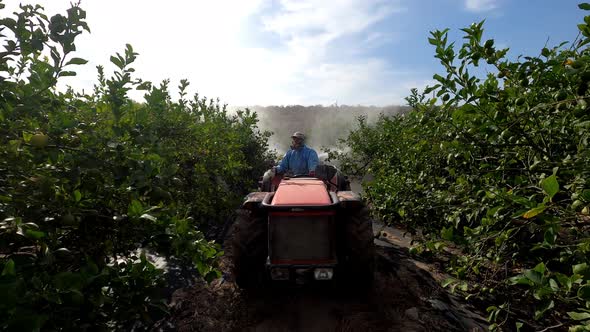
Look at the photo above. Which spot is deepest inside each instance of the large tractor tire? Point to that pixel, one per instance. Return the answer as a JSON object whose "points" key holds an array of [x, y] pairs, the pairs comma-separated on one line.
{"points": [[343, 183], [358, 248], [250, 249]]}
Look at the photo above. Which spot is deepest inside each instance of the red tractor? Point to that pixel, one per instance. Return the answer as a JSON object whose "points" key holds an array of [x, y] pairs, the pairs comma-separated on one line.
{"points": [[301, 229]]}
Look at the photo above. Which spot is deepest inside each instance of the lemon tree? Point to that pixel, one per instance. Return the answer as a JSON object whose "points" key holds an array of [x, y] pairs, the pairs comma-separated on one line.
{"points": [[89, 180], [498, 166]]}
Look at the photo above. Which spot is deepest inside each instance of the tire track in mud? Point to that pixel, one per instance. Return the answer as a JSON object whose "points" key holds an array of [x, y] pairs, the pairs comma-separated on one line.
{"points": [[406, 296]]}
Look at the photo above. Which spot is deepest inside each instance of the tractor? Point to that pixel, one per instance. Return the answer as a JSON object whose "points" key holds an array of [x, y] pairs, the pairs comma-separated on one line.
{"points": [[303, 229]]}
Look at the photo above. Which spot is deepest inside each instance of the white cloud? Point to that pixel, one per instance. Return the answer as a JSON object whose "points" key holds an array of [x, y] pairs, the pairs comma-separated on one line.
{"points": [[214, 45], [309, 27], [480, 5], [377, 38]]}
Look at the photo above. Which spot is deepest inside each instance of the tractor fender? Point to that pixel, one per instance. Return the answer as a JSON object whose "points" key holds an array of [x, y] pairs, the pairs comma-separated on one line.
{"points": [[253, 200], [350, 199]]}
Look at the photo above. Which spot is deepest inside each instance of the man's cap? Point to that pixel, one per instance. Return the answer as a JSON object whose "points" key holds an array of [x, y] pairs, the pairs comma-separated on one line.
{"points": [[298, 135]]}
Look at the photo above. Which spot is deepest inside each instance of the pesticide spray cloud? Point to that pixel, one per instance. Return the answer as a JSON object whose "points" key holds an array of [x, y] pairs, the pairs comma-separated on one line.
{"points": [[323, 126]]}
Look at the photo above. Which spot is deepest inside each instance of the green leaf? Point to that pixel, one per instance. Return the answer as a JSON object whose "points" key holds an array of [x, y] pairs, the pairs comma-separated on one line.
{"points": [[584, 292], [67, 73], [448, 281], [135, 209], [534, 276], [27, 136], [9, 269], [212, 275], [523, 201], [520, 280], [580, 268], [464, 286], [550, 186], [534, 212], [439, 78], [542, 292], [77, 195], [584, 6], [148, 217], [583, 124], [31, 225], [144, 86], [447, 233], [578, 315], [77, 61], [564, 280], [519, 326], [32, 234], [401, 212], [550, 236], [547, 305], [540, 268], [117, 61]]}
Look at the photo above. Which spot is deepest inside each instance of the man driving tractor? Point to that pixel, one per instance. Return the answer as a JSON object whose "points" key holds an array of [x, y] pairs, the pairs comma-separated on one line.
{"points": [[304, 225], [300, 159]]}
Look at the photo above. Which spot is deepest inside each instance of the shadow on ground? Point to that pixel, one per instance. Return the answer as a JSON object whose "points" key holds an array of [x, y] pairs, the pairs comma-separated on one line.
{"points": [[406, 296]]}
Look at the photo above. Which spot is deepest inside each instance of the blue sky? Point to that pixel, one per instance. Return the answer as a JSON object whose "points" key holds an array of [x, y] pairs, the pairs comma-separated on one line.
{"points": [[281, 52]]}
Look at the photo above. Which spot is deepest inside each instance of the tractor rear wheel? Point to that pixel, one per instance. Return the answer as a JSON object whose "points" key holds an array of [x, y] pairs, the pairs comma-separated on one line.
{"points": [[359, 250], [249, 249]]}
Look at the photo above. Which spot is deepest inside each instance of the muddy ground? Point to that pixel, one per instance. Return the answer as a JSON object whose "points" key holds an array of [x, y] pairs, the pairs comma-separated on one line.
{"points": [[406, 296]]}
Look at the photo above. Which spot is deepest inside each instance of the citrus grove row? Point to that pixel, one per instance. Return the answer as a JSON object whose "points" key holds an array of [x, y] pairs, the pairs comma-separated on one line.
{"points": [[492, 171]]}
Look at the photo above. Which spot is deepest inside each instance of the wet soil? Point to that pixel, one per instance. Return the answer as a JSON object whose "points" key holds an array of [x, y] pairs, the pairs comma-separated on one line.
{"points": [[406, 296]]}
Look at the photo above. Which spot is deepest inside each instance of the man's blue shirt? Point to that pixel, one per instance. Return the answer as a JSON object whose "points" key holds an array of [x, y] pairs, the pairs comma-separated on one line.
{"points": [[299, 161]]}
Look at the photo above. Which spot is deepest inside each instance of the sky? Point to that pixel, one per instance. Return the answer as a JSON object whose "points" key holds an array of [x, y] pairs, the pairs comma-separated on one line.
{"points": [[307, 52]]}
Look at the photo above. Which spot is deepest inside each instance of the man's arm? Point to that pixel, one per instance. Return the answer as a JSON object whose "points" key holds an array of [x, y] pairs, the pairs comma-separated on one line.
{"points": [[284, 164]]}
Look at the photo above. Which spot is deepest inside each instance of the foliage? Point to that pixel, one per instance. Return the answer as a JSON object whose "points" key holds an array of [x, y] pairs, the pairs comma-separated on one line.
{"points": [[499, 167], [87, 179]]}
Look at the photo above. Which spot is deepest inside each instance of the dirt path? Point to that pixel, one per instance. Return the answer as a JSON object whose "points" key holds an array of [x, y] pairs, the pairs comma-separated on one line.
{"points": [[406, 297]]}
